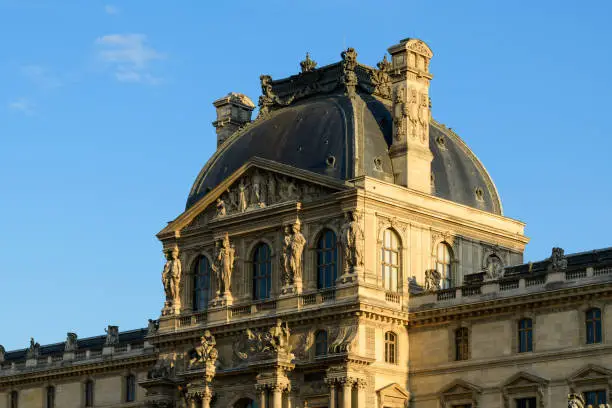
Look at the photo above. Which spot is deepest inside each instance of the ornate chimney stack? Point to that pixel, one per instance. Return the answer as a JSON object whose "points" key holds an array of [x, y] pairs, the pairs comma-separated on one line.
{"points": [[233, 111], [410, 77]]}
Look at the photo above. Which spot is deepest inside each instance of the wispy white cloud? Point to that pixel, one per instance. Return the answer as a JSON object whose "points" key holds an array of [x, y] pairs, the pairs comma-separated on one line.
{"points": [[41, 76], [129, 56], [110, 9], [22, 105]]}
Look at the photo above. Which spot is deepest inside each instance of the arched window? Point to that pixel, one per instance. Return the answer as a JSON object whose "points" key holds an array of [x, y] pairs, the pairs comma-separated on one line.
{"points": [[593, 326], [390, 260], [443, 265], [525, 335], [50, 397], [390, 348], [130, 388], [262, 272], [321, 343], [89, 393], [14, 399], [462, 344], [327, 260], [201, 283]]}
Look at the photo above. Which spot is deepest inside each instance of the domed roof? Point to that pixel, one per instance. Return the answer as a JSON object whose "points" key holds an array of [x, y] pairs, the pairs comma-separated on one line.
{"points": [[345, 137]]}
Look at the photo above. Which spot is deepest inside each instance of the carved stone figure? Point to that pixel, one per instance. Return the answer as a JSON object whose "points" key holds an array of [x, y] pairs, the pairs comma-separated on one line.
{"points": [[152, 327], [432, 280], [399, 113], [71, 342], [349, 63], [575, 401], [33, 350], [284, 258], [171, 277], [307, 64], [351, 238], [2, 353], [412, 108], [271, 188], [221, 210], [280, 336], [257, 190], [224, 265], [494, 267], [205, 352], [162, 369], [112, 335], [381, 79], [242, 196], [296, 248], [233, 199], [266, 100], [424, 117], [558, 260]]}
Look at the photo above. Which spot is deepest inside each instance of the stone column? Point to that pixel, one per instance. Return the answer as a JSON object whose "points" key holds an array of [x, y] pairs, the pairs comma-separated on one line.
{"points": [[206, 397], [361, 393], [347, 391], [277, 396], [262, 390], [331, 383]]}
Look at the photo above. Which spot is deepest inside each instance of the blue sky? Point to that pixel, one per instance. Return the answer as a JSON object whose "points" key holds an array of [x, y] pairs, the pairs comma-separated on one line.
{"points": [[105, 121]]}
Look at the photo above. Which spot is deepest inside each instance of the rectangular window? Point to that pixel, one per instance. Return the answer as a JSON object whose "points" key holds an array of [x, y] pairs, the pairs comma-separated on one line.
{"points": [[595, 397], [526, 402], [130, 388], [15, 399], [593, 326], [461, 344], [525, 335], [89, 393]]}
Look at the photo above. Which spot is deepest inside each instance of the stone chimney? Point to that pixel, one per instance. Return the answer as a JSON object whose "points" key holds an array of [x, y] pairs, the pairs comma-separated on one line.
{"points": [[233, 111], [410, 78]]}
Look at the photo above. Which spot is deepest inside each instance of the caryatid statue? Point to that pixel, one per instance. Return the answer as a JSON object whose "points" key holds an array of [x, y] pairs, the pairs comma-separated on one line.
{"points": [[296, 248], [171, 277], [224, 265], [351, 236]]}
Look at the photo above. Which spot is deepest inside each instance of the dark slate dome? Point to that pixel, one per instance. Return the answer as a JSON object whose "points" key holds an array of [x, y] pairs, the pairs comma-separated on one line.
{"points": [[318, 133]]}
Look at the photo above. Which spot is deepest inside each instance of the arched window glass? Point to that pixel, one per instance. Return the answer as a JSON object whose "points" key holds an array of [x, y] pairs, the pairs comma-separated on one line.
{"points": [[525, 335], [201, 283], [130, 388], [443, 265], [89, 393], [262, 272], [327, 260], [593, 326], [390, 260], [51, 397], [321, 343], [390, 348], [462, 344]]}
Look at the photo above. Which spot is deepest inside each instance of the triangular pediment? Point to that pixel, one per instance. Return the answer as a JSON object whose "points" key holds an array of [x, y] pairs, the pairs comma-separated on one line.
{"points": [[395, 391], [257, 185], [524, 379], [460, 387], [590, 372]]}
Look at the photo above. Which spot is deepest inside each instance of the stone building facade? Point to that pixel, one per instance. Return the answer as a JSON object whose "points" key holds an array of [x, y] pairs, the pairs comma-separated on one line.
{"points": [[346, 250]]}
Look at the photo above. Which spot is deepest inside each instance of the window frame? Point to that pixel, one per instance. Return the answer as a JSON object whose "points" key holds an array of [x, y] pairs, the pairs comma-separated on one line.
{"points": [[50, 396], [387, 252], [89, 393], [446, 279], [597, 329], [525, 336], [14, 399], [462, 344], [321, 334], [130, 385], [526, 399], [391, 348], [195, 279], [257, 267], [327, 270], [597, 394]]}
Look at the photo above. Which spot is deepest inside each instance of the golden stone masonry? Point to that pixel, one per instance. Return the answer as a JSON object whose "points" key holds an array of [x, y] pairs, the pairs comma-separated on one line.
{"points": [[343, 250]]}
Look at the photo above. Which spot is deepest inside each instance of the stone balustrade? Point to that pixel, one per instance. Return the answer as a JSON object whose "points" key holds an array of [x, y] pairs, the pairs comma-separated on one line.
{"points": [[509, 286]]}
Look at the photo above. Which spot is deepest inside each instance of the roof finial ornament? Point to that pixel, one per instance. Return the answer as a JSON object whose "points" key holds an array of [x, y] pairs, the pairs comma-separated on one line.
{"points": [[381, 79], [349, 63], [308, 64]]}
